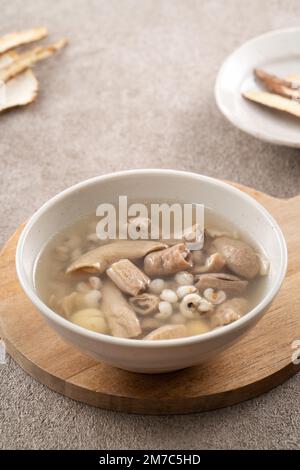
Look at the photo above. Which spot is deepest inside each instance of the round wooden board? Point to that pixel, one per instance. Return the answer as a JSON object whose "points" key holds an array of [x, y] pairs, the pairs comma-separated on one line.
{"points": [[259, 362]]}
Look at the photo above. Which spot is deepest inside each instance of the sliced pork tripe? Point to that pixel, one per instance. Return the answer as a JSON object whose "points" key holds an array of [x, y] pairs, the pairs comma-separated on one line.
{"points": [[128, 277], [101, 258], [169, 261], [121, 319]]}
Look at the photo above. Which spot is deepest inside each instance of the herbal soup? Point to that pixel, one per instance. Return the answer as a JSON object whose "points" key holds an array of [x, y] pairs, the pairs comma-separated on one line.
{"points": [[151, 289]]}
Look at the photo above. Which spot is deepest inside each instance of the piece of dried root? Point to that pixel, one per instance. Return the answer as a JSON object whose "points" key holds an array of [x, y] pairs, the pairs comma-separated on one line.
{"points": [[29, 58], [20, 90], [278, 85], [274, 101], [10, 41]]}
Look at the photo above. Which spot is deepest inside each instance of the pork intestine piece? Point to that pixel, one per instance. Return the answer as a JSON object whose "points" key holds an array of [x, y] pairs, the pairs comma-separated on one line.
{"points": [[169, 261]]}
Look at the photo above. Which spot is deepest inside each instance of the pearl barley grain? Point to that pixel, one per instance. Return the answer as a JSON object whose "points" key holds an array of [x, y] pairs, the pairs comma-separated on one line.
{"points": [[169, 296], [205, 306], [214, 296], [156, 286], [189, 305], [165, 310], [182, 291], [183, 278]]}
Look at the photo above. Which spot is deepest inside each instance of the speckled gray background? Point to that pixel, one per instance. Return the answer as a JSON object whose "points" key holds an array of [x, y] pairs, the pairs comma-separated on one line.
{"points": [[134, 89]]}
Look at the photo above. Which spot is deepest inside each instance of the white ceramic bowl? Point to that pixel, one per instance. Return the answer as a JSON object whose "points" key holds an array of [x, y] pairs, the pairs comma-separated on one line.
{"points": [[83, 198], [276, 52]]}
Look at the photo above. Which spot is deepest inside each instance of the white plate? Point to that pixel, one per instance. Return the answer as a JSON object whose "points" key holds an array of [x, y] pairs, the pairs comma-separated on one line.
{"points": [[276, 52]]}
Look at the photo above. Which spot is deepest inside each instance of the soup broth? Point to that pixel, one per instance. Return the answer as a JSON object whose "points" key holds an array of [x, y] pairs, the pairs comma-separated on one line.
{"points": [[151, 289]]}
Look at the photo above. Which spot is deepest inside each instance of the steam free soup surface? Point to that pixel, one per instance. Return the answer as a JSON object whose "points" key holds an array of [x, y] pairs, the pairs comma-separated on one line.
{"points": [[151, 289]]}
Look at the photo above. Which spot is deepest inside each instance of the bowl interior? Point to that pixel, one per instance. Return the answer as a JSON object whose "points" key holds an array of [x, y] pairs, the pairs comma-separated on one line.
{"points": [[83, 199]]}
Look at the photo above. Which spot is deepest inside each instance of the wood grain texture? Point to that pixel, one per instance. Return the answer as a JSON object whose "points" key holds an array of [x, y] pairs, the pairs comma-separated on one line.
{"points": [[259, 362]]}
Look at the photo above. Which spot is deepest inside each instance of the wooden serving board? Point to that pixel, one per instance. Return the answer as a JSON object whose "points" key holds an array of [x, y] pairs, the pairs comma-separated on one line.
{"points": [[260, 361]]}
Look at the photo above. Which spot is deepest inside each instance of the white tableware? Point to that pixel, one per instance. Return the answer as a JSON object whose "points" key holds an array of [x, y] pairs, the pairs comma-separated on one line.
{"points": [[276, 52], [83, 198]]}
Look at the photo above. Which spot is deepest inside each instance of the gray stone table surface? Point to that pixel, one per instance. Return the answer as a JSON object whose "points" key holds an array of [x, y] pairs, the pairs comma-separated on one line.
{"points": [[134, 89]]}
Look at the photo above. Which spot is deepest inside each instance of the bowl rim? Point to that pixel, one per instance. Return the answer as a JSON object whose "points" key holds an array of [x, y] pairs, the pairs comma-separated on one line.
{"points": [[185, 341], [258, 134]]}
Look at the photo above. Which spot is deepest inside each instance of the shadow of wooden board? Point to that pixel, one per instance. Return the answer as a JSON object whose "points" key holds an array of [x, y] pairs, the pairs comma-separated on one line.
{"points": [[259, 362]]}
